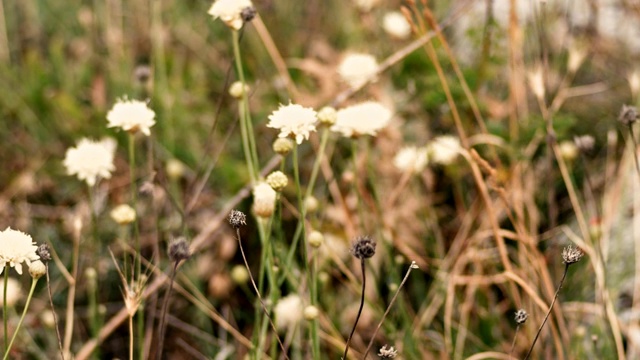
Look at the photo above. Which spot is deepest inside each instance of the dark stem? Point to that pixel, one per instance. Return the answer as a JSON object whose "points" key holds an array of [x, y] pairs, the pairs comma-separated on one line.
{"points": [[513, 344], [53, 311], [355, 324], [165, 306], [566, 269], [635, 148]]}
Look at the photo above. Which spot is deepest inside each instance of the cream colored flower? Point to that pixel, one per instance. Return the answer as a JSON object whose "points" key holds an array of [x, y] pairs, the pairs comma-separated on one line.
{"points": [[411, 158], [396, 25], [366, 5], [264, 200], [131, 116], [568, 150], [14, 292], [16, 247], [123, 214], [444, 149], [37, 269], [289, 311], [237, 89], [277, 180], [230, 12], [357, 69], [293, 120], [91, 160], [362, 119]]}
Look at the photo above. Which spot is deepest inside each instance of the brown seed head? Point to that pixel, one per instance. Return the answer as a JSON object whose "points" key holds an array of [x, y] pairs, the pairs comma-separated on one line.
{"points": [[628, 114], [364, 247], [44, 253], [237, 219], [521, 316], [571, 255], [179, 249]]}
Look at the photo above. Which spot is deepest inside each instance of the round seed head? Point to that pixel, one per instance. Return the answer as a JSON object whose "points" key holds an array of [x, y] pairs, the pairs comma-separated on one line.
{"points": [[571, 255], [247, 14], [282, 146], [521, 316], [364, 247], [628, 114], [44, 253], [237, 219], [179, 249], [37, 269]]}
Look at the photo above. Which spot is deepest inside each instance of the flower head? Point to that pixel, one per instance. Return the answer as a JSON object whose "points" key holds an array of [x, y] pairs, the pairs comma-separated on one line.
{"points": [[123, 214], [288, 311], [396, 25], [584, 143], [411, 159], [277, 180], [571, 255], [444, 149], [358, 69], [293, 120], [37, 269], [44, 253], [91, 160], [264, 200], [233, 13], [132, 116], [237, 219], [366, 118], [388, 353], [179, 249], [16, 247], [363, 248], [521, 316], [628, 114]]}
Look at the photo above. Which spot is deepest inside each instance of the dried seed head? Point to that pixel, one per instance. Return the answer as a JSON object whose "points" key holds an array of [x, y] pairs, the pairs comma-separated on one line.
{"points": [[521, 316], [364, 247], [247, 14], [628, 114], [237, 219], [571, 255], [44, 253], [388, 353], [179, 249], [584, 143]]}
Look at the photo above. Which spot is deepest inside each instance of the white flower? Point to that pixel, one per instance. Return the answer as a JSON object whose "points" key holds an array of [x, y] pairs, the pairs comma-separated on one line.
{"points": [[264, 200], [396, 25], [366, 5], [123, 214], [289, 311], [16, 247], [568, 150], [14, 292], [293, 120], [411, 158], [132, 116], [444, 149], [362, 119], [91, 160], [230, 12], [357, 69]]}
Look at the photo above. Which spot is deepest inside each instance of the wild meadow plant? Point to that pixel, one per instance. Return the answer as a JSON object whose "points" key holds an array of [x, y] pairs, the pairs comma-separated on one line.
{"points": [[473, 140]]}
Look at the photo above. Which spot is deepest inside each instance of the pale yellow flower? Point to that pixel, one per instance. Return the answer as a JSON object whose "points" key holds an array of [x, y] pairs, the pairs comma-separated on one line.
{"points": [[444, 149], [16, 247], [264, 200], [396, 25], [131, 116], [358, 69], [123, 214], [411, 158], [362, 119], [293, 120], [288, 311], [91, 160], [230, 12]]}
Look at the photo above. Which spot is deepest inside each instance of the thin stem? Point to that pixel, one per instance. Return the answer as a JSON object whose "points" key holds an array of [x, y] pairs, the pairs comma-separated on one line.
{"points": [[255, 288], [165, 305], [635, 148], [53, 311], [555, 297], [513, 343], [4, 304], [71, 296], [131, 337], [24, 312], [355, 324], [393, 300]]}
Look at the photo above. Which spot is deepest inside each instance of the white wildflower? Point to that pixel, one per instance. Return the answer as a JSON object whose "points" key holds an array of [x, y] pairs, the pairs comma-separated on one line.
{"points": [[91, 160], [396, 25], [293, 120], [123, 214], [131, 116], [411, 158], [230, 12], [444, 149], [357, 69], [362, 119], [16, 247], [264, 200], [366, 5], [288, 311]]}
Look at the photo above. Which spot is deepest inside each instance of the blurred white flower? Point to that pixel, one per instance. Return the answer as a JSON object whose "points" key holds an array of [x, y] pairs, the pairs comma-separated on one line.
{"points": [[132, 116], [14, 292], [411, 158], [230, 12], [293, 120], [366, 5], [264, 200], [366, 118], [568, 150], [357, 69], [16, 247], [444, 149], [91, 160], [396, 25], [536, 82], [289, 311], [123, 214]]}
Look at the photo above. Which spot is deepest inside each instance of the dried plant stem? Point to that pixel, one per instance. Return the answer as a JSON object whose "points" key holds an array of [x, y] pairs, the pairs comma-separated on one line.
{"points": [[131, 336], [4, 305], [555, 297], [71, 296], [355, 323], [255, 288], [165, 306], [635, 148], [53, 311], [386, 312], [513, 343]]}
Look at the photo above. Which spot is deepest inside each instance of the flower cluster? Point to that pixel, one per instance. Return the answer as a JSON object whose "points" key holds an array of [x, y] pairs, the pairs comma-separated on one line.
{"points": [[366, 118], [131, 116], [358, 69], [16, 247], [293, 120], [91, 160], [234, 13]]}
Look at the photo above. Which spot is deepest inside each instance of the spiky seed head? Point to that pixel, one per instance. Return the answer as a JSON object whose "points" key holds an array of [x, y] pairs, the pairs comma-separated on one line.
{"points": [[364, 247], [179, 249], [521, 316], [237, 219], [388, 353], [628, 114], [44, 253], [571, 255], [247, 14]]}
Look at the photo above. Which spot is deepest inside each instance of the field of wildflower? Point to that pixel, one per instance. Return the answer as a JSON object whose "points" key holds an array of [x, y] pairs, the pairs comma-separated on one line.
{"points": [[319, 179]]}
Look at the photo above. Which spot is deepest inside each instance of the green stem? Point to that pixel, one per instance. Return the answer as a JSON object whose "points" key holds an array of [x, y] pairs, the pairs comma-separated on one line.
{"points": [[24, 312], [4, 303]]}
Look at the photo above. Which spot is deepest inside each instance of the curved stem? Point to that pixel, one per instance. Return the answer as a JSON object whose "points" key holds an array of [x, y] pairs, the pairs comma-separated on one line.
{"points": [[355, 324], [24, 312]]}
